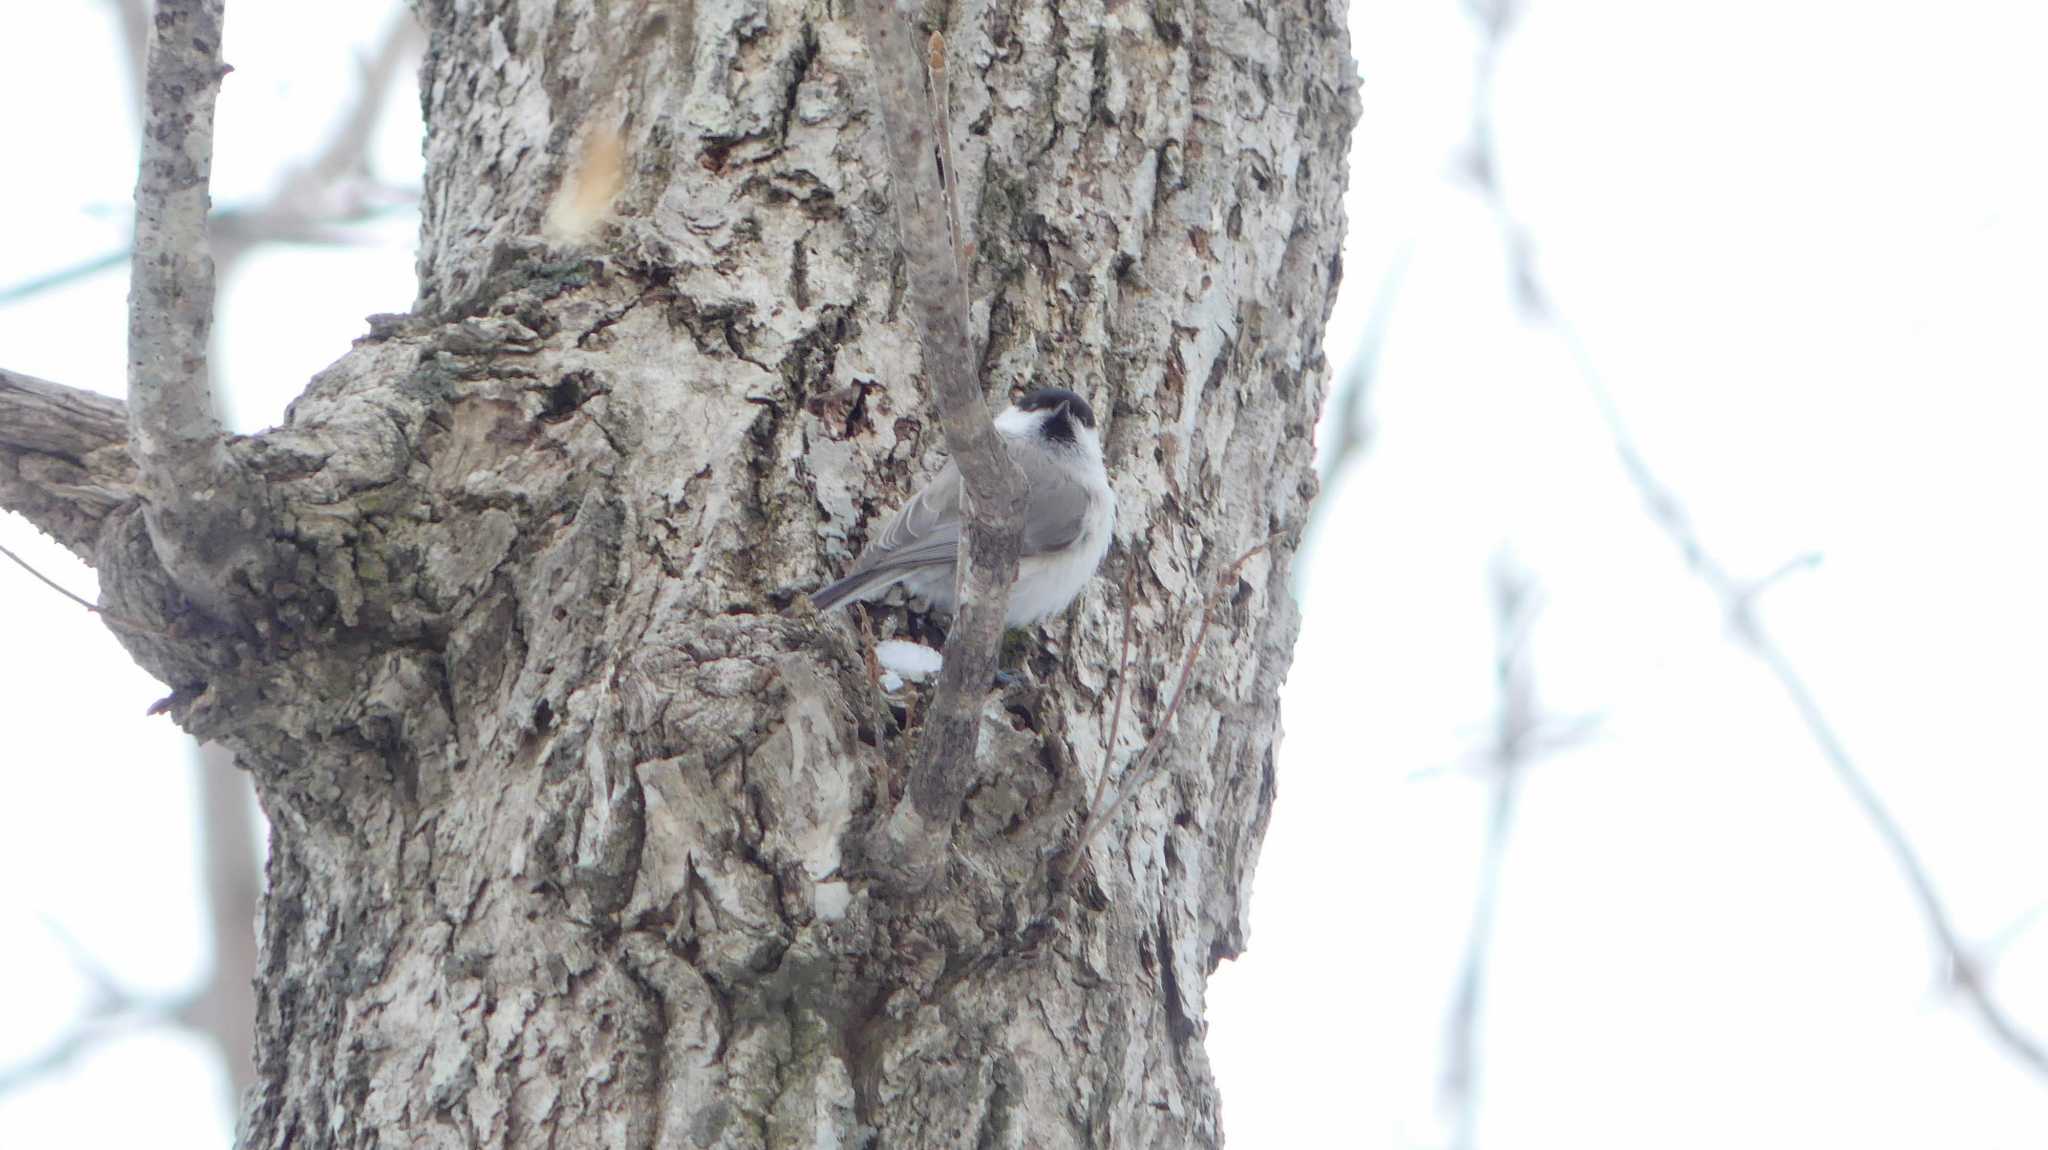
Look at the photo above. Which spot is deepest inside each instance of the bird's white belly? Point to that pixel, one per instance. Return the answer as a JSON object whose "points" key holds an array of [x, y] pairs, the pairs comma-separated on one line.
{"points": [[1047, 583]]}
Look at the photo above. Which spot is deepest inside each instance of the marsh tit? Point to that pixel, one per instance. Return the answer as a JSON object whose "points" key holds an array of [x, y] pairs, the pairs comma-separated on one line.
{"points": [[1068, 517]]}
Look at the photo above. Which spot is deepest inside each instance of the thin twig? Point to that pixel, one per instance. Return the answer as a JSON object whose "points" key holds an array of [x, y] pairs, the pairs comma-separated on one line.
{"points": [[36, 285], [121, 621], [1991, 950], [1738, 599], [52, 584], [1522, 735], [313, 200], [1141, 770], [1123, 666], [994, 487], [876, 702], [1964, 972], [112, 1012], [346, 154]]}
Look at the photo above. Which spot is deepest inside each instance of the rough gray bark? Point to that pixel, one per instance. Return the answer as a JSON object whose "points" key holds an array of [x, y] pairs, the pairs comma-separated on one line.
{"points": [[565, 783]]}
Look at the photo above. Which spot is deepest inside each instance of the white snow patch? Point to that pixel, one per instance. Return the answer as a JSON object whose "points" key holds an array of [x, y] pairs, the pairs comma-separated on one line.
{"points": [[829, 900], [904, 661]]}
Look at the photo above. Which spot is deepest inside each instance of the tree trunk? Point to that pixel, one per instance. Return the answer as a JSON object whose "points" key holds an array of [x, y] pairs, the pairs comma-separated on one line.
{"points": [[566, 779]]}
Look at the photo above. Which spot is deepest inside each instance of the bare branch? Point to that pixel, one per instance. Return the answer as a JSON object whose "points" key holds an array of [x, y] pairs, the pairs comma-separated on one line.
{"points": [[1964, 970], [46, 581], [113, 1012], [994, 495], [198, 497], [38, 284], [120, 621], [937, 103], [346, 155], [64, 460], [336, 186], [315, 201], [1522, 734]]}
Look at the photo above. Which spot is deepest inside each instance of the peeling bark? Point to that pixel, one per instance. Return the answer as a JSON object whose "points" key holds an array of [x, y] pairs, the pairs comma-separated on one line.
{"points": [[64, 462], [565, 781]]}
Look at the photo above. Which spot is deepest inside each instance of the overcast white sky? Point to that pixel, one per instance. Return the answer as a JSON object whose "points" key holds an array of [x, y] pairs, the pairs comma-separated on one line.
{"points": [[1802, 242]]}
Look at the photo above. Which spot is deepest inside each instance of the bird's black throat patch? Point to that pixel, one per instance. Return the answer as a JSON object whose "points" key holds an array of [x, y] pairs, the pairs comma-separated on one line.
{"points": [[1058, 429], [1049, 398]]}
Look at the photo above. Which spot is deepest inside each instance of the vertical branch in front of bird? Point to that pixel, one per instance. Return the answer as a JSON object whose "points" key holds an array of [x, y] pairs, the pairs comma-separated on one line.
{"points": [[204, 512], [994, 501]]}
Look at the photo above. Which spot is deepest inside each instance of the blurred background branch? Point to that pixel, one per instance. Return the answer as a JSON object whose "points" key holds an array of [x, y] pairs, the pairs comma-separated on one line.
{"points": [[1522, 735], [1964, 971], [222, 1009], [314, 202], [1495, 21], [111, 1011]]}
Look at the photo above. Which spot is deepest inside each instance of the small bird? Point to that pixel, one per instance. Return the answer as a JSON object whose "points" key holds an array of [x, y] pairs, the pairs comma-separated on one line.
{"points": [[1068, 516]]}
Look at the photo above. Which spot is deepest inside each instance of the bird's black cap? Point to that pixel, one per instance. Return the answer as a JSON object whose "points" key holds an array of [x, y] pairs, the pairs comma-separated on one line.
{"points": [[1047, 398]]}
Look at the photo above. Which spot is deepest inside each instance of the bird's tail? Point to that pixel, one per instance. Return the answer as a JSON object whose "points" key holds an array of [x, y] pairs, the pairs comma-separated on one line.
{"points": [[859, 585]]}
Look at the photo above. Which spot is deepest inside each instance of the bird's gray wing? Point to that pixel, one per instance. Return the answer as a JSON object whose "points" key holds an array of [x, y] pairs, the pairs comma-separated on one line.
{"points": [[926, 531], [1058, 507]]}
